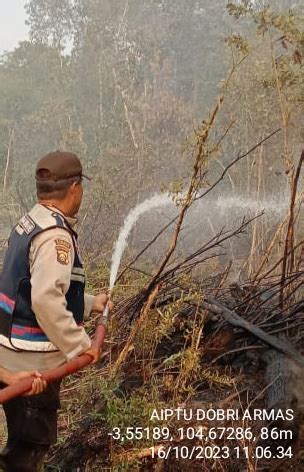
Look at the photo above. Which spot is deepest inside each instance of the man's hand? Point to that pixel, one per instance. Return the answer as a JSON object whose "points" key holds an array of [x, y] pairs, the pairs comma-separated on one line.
{"points": [[100, 302], [38, 384], [94, 354]]}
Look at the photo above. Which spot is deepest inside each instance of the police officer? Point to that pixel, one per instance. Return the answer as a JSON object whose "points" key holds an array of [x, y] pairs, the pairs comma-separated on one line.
{"points": [[42, 306]]}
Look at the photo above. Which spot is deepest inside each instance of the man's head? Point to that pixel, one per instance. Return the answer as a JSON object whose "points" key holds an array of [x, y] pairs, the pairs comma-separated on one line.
{"points": [[59, 181]]}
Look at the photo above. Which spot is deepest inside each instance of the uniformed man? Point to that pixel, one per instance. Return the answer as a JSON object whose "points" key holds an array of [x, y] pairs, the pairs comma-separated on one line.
{"points": [[42, 306]]}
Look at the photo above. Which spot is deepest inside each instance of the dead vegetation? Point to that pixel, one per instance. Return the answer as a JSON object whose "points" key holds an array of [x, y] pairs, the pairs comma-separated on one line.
{"points": [[189, 337], [201, 343]]}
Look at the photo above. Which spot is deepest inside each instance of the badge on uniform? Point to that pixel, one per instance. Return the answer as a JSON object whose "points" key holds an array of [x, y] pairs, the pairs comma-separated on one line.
{"points": [[63, 249], [27, 224]]}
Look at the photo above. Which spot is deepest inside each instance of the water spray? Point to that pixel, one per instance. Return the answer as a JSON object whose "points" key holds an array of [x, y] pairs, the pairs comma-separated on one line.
{"points": [[156, 201]]}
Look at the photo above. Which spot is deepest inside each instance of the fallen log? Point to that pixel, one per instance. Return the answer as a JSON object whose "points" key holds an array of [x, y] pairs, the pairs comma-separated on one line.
{"points": [[233, 318]]}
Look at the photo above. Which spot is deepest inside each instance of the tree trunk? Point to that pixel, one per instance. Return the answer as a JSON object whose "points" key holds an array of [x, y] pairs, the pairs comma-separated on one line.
{"points": [[278, 374], [283, 375]]}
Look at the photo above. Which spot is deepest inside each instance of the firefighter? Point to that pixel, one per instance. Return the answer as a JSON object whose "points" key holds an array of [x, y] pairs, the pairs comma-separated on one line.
{"points": [[42, 306]]}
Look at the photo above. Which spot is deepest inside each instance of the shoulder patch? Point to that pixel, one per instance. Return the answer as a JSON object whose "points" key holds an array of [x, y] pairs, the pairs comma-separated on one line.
{"points": [[63, 249], [27, 224]]}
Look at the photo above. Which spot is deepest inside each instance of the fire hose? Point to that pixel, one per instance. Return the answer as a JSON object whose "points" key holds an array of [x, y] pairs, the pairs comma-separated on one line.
{"points": [[23, 386]]}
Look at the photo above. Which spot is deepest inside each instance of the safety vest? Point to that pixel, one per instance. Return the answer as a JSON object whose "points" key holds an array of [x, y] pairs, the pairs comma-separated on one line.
{"points": [[19, 329]]}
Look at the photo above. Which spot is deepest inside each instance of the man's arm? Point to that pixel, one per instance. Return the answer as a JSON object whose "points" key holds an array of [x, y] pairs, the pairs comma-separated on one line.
{"points": [[88, 305], [4, 376], [50, 281]]}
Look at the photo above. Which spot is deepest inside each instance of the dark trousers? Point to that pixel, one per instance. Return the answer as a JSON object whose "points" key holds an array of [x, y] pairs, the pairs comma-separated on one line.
{"points": [[32, 428]]}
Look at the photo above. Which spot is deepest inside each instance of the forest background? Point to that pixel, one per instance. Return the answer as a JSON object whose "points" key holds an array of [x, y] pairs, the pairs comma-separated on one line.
{"points": [[125, 84], [129, 85]]}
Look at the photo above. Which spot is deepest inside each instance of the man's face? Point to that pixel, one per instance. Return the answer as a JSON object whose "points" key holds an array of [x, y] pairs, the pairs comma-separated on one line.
{"points": [[77, 192]]}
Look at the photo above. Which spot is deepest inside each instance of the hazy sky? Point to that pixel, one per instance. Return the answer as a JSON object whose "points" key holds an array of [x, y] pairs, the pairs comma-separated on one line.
{"points": [[12, 27]]}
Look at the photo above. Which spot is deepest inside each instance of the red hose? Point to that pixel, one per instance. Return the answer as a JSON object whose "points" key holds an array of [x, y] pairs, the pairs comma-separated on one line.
{"points": [[19, 388]]}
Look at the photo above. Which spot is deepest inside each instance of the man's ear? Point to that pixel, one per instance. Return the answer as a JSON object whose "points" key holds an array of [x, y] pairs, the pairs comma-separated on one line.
{"points": [[73, 186]]}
